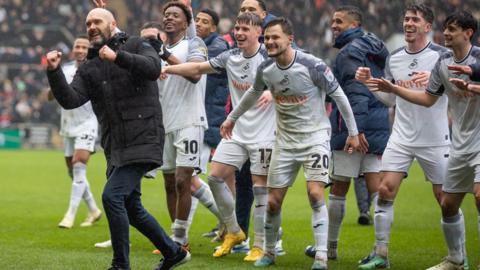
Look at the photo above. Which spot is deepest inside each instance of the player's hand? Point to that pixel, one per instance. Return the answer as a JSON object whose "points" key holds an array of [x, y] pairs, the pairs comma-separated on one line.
{"points": [[164, 73], [352, 144], [363, 74], [265, 100], [100, 3], [363, 147], [458, 70], [226, 129], [420, 79], [53, 59], [459, 83], [105, 53], [381, 85]]}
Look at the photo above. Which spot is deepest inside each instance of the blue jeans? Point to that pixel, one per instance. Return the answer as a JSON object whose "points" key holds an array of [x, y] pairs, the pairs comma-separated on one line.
{"points": [[244, 198], [123, 206]]}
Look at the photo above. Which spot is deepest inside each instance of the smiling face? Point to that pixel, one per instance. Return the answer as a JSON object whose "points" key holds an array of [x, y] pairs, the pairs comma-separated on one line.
{"points": [[415, 26], [100, 25], [246, 35], [80, 49], [276, 41], [174, 20], [455, 36], [204, 25], [341, 22]]}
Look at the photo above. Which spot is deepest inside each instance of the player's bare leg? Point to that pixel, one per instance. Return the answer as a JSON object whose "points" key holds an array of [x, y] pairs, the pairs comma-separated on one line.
{"points": [[222, 184]]}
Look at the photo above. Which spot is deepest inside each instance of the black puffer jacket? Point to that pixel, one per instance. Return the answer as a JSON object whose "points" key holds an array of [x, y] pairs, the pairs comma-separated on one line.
{"points": [[124, 97]]}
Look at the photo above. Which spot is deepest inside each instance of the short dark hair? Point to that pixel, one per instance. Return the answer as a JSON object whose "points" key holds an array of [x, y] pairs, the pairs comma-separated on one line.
{"points": [[352, 11], [262, 4], [212, 14], [424, 10], [152, 24], [463, 19], [285, 23], [181, 6], [249, 18]]}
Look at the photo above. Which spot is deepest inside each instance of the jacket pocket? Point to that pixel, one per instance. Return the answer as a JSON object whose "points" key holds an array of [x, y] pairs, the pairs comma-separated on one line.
{"points": [[139, 127]]}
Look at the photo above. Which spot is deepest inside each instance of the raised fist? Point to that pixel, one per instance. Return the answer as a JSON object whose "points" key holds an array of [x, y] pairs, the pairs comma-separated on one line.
{"points": [[53, 59]]}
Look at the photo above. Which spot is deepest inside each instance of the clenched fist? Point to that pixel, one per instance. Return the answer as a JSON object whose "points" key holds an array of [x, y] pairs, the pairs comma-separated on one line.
{"points": [[105, 53], [53, 59]]}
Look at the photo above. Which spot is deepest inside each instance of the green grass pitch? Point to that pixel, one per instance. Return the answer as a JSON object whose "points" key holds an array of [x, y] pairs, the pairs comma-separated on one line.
{"points": [[34, 194]]}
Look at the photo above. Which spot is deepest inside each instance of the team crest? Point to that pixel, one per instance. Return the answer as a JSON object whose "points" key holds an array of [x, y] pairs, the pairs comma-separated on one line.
{"points": [[414, 64], [285, 80]]}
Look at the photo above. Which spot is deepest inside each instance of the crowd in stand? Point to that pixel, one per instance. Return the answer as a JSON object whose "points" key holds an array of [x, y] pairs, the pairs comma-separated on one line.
{"points": [[28, 29]]}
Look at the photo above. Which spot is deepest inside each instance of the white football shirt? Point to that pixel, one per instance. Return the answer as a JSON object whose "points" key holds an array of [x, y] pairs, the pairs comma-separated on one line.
{"points": [[416, 125], [241, 73], [183, 102], [79, 121], [464, 111]]}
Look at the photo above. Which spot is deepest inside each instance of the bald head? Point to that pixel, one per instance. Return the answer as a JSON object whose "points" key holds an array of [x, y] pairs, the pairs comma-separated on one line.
{"points": [[101, 13], [100, 25]]}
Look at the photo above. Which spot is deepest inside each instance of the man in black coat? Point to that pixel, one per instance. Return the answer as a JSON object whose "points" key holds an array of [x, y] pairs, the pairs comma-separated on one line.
{"points": [[119, 79]]}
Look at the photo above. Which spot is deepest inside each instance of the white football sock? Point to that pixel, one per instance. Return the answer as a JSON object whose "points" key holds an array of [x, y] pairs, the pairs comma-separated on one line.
{"points": [[78, 187], [225, 203], [89, 199], [383, 219], [179, 229], [205, 196], [193, 209], [336, 212], [453, 228], [272, 225], [260, 195], [320, 228]]}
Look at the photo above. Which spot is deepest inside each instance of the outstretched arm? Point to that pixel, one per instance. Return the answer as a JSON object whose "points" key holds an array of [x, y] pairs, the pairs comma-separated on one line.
{"points": [[190, 69], [417, 97]]}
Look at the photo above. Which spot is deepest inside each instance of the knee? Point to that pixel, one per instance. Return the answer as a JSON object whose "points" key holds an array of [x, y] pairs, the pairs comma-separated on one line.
{"points": [[339, 188], [448, 207], [273, 205], [315, 196], [385, 192], [182, 184]]}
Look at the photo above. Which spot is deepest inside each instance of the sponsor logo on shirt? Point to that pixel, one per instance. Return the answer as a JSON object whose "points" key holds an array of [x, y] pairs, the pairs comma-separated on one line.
{"points": [[241, 86], [291, 100]]}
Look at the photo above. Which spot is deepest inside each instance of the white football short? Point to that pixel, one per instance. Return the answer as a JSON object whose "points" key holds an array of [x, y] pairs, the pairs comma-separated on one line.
{"points": [[84, 142], [286, 163], [183, 148], [234, 153], [462, 172], [346, 166], [432, 159]]}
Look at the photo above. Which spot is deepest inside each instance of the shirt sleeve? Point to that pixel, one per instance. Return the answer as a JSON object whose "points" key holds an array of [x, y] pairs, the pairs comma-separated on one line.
{"points": [[322, 77], [388, 73], [219, 62], [197, 50], [435, 85]]}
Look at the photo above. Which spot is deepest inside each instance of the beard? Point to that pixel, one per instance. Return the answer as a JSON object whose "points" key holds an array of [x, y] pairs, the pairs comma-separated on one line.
{"points": [[98, 38], [277, 53]]}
